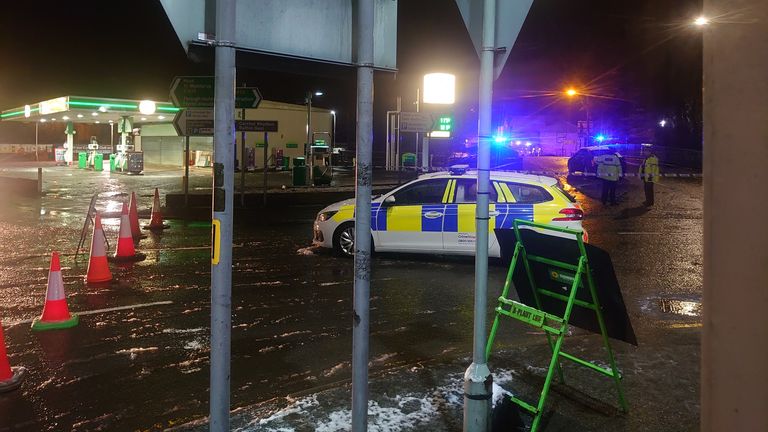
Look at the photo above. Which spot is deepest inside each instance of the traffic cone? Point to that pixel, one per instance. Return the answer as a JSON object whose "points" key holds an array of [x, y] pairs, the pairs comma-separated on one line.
{"points": [[10, 377], [55, 312], [98, 268], [133, 216], [125, 250], [156, 223]]}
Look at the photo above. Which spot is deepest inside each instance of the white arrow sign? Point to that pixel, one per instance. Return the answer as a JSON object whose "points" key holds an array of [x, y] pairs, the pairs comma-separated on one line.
{"points": [[194, 122], [416, 122]]}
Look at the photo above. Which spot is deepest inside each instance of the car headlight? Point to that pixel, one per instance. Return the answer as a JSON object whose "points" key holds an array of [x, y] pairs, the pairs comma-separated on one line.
{"points": [[324, 216]]}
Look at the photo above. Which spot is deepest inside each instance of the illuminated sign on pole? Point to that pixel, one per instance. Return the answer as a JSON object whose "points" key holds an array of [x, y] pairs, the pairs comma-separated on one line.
{"points": [[54, 105], [439, 88], [444, 127]]}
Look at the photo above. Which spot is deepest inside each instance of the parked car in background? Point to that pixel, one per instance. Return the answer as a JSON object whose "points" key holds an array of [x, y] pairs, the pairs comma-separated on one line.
{"points": [[583, 160], [507, 159]]}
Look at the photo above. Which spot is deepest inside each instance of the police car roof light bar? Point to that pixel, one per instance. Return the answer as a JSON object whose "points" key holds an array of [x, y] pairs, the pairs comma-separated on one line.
{"points": [[458, 169]]}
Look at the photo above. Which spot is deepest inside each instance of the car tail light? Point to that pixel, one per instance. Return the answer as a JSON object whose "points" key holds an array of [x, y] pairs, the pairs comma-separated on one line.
{"points": [[570, 214]]}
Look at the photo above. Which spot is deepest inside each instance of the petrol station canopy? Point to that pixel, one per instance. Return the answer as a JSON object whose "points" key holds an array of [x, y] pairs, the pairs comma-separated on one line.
{"points": [[81, 109]]}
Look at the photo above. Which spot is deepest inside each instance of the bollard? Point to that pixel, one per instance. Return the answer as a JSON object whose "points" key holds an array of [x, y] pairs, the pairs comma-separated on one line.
{"points": [[39, 180]]}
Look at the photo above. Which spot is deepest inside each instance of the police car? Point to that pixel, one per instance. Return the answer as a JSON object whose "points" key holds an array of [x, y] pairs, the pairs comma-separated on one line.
{"points": [[435, 213]]}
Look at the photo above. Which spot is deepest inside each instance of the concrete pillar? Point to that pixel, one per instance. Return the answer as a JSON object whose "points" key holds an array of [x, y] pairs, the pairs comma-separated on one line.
{"points": [[734, 373], [69, 153]]}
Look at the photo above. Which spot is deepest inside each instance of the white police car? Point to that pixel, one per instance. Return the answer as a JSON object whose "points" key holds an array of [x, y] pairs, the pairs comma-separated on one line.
{"points": [[435, 213]]}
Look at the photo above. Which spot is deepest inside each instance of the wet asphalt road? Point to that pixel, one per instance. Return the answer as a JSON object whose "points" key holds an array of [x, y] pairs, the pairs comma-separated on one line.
{"points": [[147, 368]]}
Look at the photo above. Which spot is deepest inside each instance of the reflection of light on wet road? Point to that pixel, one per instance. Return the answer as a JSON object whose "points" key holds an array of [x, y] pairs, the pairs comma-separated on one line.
{"points": [[113, 206], [680, 307]]}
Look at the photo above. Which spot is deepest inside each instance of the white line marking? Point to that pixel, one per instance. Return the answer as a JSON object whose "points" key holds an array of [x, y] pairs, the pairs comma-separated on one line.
{"points": [[98, 311]]}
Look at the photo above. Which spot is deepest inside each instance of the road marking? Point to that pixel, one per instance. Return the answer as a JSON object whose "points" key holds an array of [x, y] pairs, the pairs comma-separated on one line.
{"points": [[98, 311], [692, 325]]}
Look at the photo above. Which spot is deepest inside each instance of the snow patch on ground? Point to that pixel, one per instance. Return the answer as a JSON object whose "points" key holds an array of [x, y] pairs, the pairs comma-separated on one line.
{"points": [[183, 331], [133, 352], [194, 345], [398, 413]]}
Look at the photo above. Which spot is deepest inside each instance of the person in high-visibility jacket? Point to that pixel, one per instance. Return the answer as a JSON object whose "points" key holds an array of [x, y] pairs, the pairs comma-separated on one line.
{"points": [[609, 173], [649, 174]]}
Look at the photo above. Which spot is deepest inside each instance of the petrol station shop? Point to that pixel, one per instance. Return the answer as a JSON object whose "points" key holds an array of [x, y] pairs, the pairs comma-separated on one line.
{"points": [[144, 130]]}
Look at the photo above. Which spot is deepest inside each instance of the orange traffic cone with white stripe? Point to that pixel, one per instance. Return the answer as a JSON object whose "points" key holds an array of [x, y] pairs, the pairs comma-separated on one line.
{"points": [[125, 250], [10, 377], [156, 223], [133, 217], [55, 312], [98, 268]]}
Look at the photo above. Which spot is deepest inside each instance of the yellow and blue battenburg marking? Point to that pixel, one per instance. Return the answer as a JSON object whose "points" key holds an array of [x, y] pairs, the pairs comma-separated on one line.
{"points": [[444, 217]]}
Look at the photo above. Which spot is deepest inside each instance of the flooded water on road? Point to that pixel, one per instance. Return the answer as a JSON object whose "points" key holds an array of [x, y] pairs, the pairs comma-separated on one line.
{"points": [[139, 358]]}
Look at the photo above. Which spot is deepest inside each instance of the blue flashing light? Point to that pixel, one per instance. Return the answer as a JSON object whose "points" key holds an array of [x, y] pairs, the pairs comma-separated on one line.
{"points": [[500, 139], [600, 138]]}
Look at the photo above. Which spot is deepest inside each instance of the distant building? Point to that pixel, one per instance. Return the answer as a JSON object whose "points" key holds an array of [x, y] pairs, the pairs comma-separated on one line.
{"points": [[555, 137]]}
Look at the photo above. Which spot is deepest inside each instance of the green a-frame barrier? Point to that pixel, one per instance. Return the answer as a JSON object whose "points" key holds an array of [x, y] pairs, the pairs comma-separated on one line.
{"points": [[554, 326]]}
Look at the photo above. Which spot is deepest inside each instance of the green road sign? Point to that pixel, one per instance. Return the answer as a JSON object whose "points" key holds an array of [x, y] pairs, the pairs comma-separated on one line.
{"points": [[198, 92]]}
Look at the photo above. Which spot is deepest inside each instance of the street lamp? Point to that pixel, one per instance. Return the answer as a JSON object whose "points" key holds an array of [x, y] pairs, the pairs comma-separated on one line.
{"points": [[308, 146], [572, 93], [333, 131], [701, 21], [333, 141]]}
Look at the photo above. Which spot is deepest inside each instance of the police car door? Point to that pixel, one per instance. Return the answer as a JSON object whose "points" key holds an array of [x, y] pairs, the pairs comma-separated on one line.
{"points": [[414, 219], [459, 226]]}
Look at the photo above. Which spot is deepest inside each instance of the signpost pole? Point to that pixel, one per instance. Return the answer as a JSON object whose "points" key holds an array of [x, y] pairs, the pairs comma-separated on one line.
{"points": [[362, 265], [186, 171], [266, 147], [242, 162], [308, 148], [478, 382], [223, 185], [37, 158]]}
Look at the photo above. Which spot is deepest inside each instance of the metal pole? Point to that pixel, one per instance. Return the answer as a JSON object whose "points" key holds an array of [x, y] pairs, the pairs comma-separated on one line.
{"points": [[186, 172], [388, 141], [266, 152], [223, 200], [418, 134], [308, 148], [478, 382], [363, 181], [397, 136], [112, 136], [242, 163], [333, 145], [37, 158], [589, 122]]}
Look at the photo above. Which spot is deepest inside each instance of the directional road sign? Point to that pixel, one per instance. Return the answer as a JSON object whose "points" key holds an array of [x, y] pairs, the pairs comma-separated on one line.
{"points": [[256, 125], [416, 122], [194, 122], [198, 92]]}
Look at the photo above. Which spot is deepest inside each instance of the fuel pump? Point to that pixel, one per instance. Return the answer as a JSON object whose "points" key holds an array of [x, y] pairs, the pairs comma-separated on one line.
{"points": [[93, 149]]}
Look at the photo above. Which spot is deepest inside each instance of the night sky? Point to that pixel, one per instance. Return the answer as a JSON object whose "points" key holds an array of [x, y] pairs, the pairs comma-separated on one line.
{"points": [[638, 56]]}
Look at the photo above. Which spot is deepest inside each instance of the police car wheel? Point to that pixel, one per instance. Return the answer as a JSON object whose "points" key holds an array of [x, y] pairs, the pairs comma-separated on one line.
{"points": [[344, 240]]}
